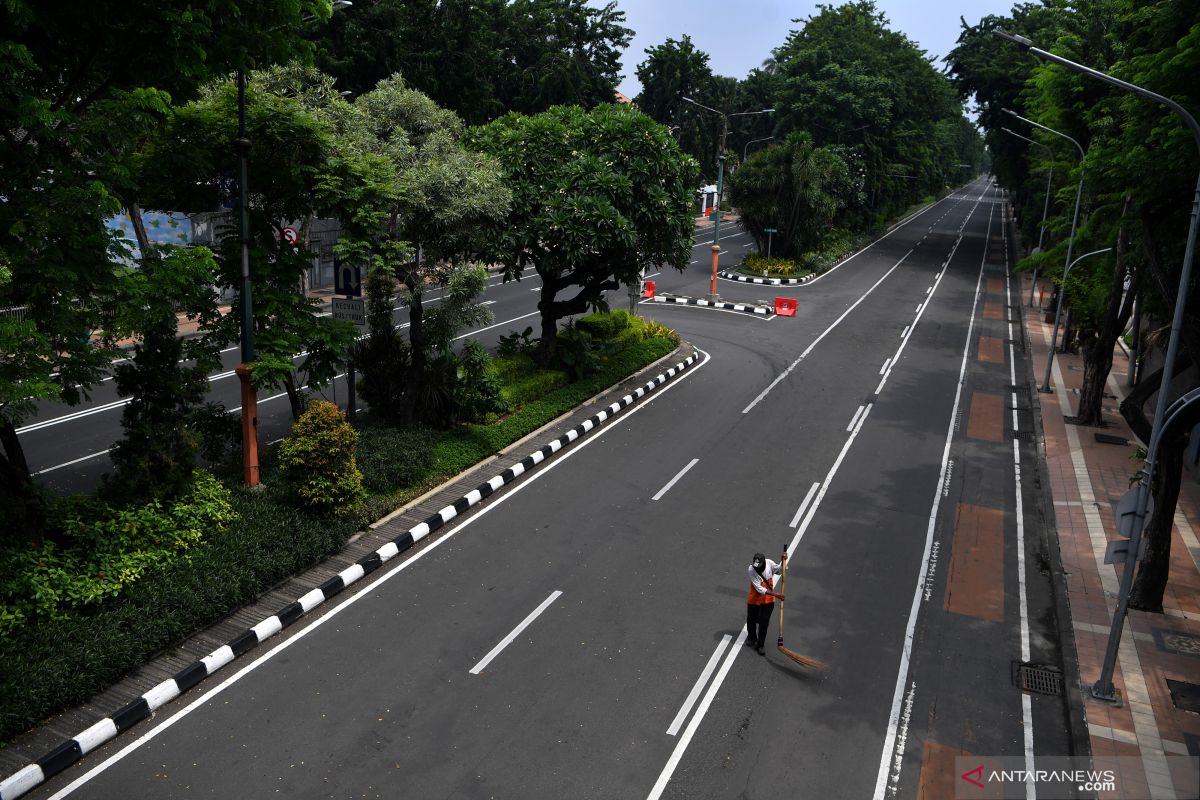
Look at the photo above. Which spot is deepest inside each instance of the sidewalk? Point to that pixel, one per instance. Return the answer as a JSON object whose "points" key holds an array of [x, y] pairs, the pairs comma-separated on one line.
{"points": [[1087, 477]]}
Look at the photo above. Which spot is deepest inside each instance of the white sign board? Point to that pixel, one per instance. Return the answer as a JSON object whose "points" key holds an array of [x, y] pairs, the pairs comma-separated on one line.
{"points": [[350, 310]]}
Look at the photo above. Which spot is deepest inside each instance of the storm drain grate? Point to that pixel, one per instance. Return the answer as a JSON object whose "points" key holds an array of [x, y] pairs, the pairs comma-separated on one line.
{"points": [[1107, 438], [1038, 679], [1023, 436]]}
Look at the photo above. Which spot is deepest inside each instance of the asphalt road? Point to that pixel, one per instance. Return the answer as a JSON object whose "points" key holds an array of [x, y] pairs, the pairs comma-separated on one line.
{"points": [[581, 634]]}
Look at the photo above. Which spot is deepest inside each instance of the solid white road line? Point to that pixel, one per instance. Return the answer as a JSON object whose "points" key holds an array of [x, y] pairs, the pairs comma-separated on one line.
{"points": [[507, 640], [678, 475], [854, 419], [70, 463], [677, 723]]}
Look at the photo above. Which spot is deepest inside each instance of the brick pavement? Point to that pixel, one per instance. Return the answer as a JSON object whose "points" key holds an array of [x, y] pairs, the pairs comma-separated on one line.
{"points": [[1087, 477]]}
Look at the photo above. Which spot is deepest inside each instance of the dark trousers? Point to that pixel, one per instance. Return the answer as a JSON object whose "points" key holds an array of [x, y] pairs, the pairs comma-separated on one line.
{"points": [[757, 619]]}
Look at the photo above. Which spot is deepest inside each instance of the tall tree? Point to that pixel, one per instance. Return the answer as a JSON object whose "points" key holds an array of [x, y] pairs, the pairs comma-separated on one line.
{"points": [[75, 74], [441, 197], [597, 197], [796, 188]]}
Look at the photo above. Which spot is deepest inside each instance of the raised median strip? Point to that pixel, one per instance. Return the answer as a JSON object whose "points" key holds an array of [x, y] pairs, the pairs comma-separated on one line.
{"points": [[72, 750], [733, 276], [764, 311]]}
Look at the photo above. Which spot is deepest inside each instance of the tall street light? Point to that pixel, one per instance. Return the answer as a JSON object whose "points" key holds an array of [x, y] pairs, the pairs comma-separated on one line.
{"points": [[1103, 688], [716, 247], [746, 149], [1058, 313], [1045, 205], [241, 145], [249, 397], [1074, 218]]}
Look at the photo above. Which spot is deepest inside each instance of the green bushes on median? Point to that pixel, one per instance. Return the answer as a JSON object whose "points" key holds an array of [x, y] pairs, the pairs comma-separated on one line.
{"points": [[259, 538]]}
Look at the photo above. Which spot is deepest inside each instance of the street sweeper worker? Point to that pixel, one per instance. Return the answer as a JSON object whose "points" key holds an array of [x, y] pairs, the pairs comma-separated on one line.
{"points": [[760, 600]]}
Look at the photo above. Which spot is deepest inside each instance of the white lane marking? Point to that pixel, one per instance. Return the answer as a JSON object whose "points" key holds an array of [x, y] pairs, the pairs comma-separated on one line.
{"points": [[672, 762], [807, 499], [71, 463], [886, 363], [369, 589], [889, 742], [678, 475], [1019, 511], [700, 682], [827, 331], [904, 333], [33, 426], [511, 637], [854, 419]]}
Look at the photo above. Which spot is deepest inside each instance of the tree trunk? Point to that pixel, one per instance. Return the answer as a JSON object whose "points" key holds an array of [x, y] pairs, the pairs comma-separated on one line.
{"points": [[1097, 353], [294, 397], [22, 516], [1151, 579], [419, 358]]}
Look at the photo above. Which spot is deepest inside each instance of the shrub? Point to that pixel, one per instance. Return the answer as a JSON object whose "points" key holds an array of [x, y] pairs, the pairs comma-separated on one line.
{"points": [[656, 330], [604, 325], [532, 387], [220, 432], [477, 389], [757, 264], [103, 550], [391, 458], [318, 459], [517, 343]]}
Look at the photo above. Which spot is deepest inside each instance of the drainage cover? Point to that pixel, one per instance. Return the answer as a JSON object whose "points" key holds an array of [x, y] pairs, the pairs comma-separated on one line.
{"points": [[1039, 679], [1185, 696], [1107, 438]]}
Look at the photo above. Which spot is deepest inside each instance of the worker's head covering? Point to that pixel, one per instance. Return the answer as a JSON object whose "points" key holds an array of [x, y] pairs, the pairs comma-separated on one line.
{"points": [[760, 562]]}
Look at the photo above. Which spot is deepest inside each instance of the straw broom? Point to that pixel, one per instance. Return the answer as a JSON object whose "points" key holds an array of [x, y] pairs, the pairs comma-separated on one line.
{"points": [[804, 661]]}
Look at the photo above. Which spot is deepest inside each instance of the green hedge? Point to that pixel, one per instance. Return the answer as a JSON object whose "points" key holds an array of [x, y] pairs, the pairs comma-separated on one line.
{"points": [[58, 663]]}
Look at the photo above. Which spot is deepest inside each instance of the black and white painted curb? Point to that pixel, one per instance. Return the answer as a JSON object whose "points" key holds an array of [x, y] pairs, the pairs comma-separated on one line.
{"points": [[765, 311], [733, 276], [106, 729]]}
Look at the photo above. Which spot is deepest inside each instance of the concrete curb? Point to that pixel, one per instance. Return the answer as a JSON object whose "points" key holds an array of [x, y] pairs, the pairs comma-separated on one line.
{"points": [[733, 276], [762, 311], [73, 749]]}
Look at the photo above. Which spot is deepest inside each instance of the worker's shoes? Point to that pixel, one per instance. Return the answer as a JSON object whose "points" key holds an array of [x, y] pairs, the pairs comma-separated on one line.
{"points": [[760, 650], [751, 643]]}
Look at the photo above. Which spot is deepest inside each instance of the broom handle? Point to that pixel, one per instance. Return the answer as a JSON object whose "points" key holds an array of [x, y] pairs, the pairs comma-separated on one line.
{"points": [[782, 581]]}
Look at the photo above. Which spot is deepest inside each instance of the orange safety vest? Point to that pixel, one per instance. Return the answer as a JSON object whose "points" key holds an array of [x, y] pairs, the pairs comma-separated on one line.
{"points": [[755, 598]]}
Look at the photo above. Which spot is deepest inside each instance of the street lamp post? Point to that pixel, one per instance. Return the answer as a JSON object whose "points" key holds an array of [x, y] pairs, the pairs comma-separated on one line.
{"points": [[241, 145], [1074, 217], [249, 397], [746, 149], [1058, 313], [716, 246], [1103, 688], [1045, 205]]}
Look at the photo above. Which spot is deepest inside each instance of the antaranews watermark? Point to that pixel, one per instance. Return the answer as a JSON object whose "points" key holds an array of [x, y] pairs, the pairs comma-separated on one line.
{"points": [[1067, 777]]}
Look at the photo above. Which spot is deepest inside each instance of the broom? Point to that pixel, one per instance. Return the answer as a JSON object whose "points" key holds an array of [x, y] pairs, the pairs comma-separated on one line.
{"points": [[804, 661]]}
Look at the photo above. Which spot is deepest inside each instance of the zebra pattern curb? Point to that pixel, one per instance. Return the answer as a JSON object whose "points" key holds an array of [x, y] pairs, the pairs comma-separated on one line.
{"points": [[765, 311], [733, 276], [72, 750]]}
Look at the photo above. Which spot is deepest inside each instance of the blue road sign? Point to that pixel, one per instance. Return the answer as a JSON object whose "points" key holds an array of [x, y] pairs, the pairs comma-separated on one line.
{"points": [[347, 281]]}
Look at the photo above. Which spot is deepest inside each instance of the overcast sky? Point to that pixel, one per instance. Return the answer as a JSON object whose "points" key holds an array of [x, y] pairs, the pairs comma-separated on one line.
{"points": [[739, 34]]}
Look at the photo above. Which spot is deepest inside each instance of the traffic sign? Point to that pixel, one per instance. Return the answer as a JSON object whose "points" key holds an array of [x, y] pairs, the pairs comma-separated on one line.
{"points": [[347, 280], [350, 310], [291, 236], [1126, 513], [770, 230]]}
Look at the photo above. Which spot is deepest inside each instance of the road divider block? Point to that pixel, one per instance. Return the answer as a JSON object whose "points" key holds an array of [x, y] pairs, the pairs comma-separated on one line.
{"points": [[648, 289], [785, 306]]}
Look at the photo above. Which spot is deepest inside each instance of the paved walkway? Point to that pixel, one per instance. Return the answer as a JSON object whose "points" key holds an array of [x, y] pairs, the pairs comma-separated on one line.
{"points": [[1087, 477]]}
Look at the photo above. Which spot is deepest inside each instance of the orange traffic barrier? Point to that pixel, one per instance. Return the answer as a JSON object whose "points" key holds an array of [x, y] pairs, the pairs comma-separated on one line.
{"points": [[648, 289], [785, 306]]}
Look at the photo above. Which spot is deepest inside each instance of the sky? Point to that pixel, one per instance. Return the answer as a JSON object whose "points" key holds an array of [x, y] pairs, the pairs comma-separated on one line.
{"points": [[739, 34]]}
